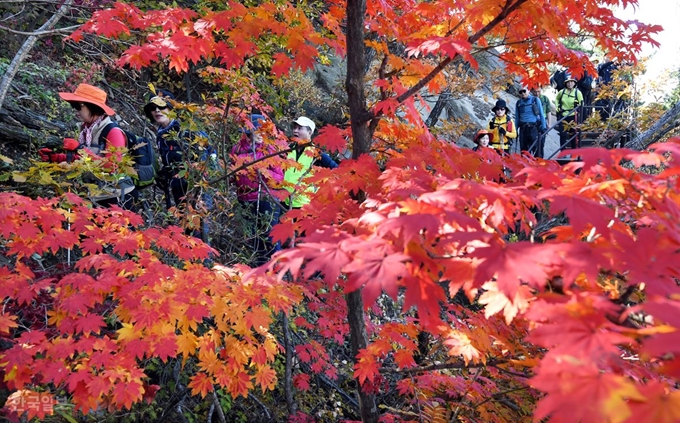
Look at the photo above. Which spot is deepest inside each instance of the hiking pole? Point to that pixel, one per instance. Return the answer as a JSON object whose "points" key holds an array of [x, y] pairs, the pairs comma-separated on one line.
{"points": [[259, 194]]}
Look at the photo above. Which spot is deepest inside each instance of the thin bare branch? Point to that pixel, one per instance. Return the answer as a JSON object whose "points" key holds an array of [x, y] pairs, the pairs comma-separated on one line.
{"points": [[68, 29]]}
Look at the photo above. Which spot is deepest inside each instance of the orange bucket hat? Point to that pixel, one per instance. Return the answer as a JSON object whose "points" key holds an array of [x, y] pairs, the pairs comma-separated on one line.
{"points": [[482, 132], [86, 93]]}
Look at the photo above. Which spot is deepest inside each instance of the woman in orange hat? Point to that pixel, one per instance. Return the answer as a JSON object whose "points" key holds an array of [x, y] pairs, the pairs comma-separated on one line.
{"points": [[98, 135], [483, 139]]}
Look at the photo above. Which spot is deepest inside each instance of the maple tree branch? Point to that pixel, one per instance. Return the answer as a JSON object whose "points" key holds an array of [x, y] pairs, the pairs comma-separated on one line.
{"points": [[510, 372], [509, 8], [503, 43], [455, 28], [443, 366], [218, 406], [463, 402], [247, 165], [261, 404], [499, 394]]}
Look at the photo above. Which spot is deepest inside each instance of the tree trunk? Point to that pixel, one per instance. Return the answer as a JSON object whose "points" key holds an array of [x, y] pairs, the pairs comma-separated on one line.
{"points": [[21, 127], [288, 374], [642, 141], [361, 144], [438, 108], [26, 48]]}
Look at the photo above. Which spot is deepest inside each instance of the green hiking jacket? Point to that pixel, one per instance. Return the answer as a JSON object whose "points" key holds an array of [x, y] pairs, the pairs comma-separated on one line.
{"points": [[296, 177]]}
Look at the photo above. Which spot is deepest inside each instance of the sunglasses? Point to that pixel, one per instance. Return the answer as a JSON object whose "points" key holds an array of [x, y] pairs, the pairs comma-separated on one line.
{"points": [[522, 91], [77, 106], [154, 108]]}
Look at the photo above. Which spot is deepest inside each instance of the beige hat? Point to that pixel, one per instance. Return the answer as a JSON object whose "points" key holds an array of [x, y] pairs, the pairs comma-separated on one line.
{"points": [[305, 121]]}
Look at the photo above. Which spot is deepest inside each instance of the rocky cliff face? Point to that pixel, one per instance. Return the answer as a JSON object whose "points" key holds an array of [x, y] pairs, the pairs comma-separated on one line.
{"points": [[467, 108]]}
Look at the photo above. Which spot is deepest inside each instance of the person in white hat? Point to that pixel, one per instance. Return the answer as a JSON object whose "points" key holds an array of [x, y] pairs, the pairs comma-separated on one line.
{"points": [[303, 128]]}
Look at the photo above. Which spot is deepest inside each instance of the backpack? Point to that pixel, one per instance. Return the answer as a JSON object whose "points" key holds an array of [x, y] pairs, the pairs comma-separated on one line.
{"points": [[141, 151], [585, 83], [560, 79], [534, 106]]}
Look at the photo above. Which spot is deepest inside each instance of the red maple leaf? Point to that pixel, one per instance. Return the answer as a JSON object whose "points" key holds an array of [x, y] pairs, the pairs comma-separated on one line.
{"points": [[126, 394], [578, 326], [301, 381], [667, 311], [282, 64], [375, 273], [325, 257], [332, 138], [659, 404], [580, 392], [90, 323]]}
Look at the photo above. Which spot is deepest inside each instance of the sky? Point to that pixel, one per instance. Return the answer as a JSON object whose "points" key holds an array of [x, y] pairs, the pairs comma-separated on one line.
{"points": [[664, 13]]}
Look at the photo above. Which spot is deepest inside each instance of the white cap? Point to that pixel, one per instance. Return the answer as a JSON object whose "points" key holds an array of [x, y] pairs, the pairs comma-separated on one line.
{"points": [[305, 121]]}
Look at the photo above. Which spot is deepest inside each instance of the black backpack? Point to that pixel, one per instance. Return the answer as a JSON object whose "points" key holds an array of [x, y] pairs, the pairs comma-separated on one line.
{"points": [[559, 78], [585, 83], [142, 152]]}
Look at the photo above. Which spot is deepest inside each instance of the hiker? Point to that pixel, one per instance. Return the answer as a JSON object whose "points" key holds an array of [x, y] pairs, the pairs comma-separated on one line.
{"points": [[306, 155], [549, 113], [530, 122], [585, 85], [482, 139], [255, 188], [568, 100], [548, 106], [504, 131], [99, 134], [170, 147], [177, 151]]}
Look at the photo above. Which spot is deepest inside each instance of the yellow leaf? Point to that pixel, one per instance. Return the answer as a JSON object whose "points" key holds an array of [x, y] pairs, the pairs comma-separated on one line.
{"points": [[127, 332], [615, 406], [18, 177], [187, 343]]}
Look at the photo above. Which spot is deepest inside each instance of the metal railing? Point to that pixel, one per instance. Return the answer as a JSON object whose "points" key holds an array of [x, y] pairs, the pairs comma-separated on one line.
{"points": [[576, 136]]}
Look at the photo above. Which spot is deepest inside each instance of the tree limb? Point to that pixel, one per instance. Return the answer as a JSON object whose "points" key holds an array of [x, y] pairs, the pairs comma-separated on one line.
{"points": [[40, 33], [443, 366], [509, 8], [641, 141], [26, 48]]}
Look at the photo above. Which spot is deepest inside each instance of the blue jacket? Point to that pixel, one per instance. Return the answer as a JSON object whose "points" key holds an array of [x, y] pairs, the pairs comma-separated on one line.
{"points": [[529, 110], [326, 161]]}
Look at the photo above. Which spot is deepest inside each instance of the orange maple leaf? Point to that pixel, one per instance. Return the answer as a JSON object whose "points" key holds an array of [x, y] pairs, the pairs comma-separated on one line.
{"points": [[366, 367], [201, 384], [266, 378], [659, 404]]}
